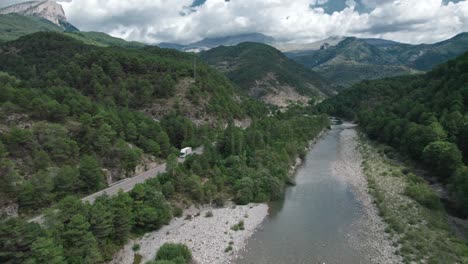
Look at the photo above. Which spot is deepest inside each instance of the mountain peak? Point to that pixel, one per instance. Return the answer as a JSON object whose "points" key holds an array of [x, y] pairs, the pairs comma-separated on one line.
{"points": [[49, 10]]}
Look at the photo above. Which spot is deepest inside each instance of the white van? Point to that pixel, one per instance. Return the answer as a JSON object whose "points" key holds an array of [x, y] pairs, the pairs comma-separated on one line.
{"points": [[185, 152]]}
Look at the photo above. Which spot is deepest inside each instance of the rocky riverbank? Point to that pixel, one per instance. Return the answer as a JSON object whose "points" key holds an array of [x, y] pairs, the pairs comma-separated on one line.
{"points": [[211, 239], [368, 234]]}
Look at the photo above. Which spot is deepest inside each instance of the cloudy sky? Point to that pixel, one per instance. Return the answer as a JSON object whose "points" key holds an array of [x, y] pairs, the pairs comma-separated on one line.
{"points": [[184, 21]]}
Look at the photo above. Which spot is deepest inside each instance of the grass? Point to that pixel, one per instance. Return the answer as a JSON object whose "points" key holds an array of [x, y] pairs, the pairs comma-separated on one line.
{"points": [[415, 218], [13, 26], [238, 226]]}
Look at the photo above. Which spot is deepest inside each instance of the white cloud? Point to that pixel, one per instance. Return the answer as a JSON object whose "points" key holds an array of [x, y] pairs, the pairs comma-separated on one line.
{"points": [[412, 21]]}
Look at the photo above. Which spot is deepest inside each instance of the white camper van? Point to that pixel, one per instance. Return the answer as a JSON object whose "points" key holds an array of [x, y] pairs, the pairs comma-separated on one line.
{"points": [[185, 152]]}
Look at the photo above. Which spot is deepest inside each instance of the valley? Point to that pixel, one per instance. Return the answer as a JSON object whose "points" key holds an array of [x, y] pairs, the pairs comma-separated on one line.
{"points": [[184, 135]]}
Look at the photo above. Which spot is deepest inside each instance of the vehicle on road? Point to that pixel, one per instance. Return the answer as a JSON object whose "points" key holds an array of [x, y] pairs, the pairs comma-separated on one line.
{"points": [[185, 152]]}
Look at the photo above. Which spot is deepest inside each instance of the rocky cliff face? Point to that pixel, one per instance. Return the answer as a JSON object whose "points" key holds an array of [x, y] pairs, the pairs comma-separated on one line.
{"points": [[49, 10]]}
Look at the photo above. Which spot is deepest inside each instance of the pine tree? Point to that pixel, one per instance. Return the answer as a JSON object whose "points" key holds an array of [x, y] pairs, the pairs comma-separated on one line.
{"points": [[80, 246], [44, 250], [100, 218], [91, 174], [123, 217]]}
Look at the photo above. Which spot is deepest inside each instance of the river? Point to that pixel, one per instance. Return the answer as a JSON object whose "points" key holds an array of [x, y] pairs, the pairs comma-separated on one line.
{"points": [[327, 217]]}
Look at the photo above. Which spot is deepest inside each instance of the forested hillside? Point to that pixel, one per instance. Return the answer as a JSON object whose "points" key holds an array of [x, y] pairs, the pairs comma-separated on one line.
{"points": [[71, 116], [265, 73], [423, 116]]}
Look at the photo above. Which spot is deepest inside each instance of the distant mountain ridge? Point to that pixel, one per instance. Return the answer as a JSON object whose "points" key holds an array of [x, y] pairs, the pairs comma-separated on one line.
{"points": [[267, 74], [49, 10], [354, 59], [209, 43]]}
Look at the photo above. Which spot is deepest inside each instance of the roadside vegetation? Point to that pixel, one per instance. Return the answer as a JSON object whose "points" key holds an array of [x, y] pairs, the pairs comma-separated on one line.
{"points": [[415, 218]]}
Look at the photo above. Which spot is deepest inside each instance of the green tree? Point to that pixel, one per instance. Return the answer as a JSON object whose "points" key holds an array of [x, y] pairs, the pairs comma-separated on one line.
{"points": [[164, 143], [41, 160], [45, 250], [67, 181], [79, 244], [69, 207], [123, 217], [459, 187], [105, 137], [171, 164], [90, 174], [131, 132], [56, 142], [151, 210], [16, 239], [444, 157], [171, 251], [101, 218], [168, 189], [245, 192]]}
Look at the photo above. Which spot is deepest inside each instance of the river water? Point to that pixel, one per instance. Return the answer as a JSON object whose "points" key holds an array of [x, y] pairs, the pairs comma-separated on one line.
{"points": [[317, 217]]}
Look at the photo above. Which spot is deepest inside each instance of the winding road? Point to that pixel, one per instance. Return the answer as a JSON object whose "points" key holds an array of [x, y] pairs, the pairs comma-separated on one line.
{"points": [[125, 185]]}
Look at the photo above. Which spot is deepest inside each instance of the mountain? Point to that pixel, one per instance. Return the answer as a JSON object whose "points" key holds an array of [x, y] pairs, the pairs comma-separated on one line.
{"points": [[267, 74], [209, 43], [48, 10], [351, 60], [425, 56], [354, 59], [13, 26]]}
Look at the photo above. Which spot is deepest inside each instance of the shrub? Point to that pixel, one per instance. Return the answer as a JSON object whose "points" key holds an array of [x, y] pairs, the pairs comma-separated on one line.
{"points": [[177, 211], [413, 178], [174, 253], [219, 200], [229, 248], [405, 171], [238, 226], [136, 247], [424, 195], [209, 214]]}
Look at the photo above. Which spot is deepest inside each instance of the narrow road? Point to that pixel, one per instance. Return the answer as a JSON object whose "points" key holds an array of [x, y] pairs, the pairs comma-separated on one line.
{"points": [[125, 185]]}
